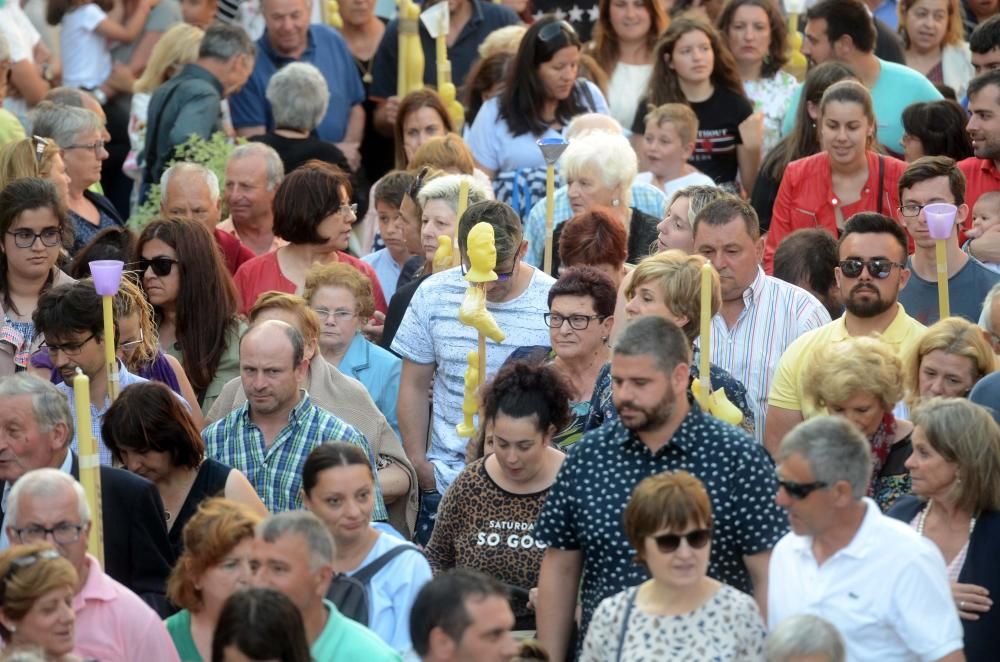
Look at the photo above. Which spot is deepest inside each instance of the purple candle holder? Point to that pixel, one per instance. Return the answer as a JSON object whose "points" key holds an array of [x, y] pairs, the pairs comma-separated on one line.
{"points": [[107, 276], [940, 219]]}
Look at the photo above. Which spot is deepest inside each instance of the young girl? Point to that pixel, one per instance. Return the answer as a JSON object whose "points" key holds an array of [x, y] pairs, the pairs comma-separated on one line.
{"points": [[87, 27], [668, 145]]}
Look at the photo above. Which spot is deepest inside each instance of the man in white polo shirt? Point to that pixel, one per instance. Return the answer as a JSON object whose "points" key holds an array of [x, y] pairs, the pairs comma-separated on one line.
{"points": [[880, 583]]}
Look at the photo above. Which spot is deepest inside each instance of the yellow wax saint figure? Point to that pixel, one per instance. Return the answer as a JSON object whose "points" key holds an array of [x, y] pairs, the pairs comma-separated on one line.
{"points": [[716, 404], [444, 256], [470, 404], [436, 19], [410, 72], [332, 15]]}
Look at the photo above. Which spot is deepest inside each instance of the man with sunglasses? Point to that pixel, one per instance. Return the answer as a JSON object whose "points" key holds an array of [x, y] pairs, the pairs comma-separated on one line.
{"points": [[930, 180], [883, 585], [871, 273]]}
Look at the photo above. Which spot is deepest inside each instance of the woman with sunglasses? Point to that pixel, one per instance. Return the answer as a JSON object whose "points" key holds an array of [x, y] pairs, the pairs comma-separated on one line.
{"points": [[486, 517], [955, 467], [314, 214], [181, 269], [36, 602], [861, 379], [848, 176], [33, 229], [947, 361], [542, 94], [668, 521], [34, 157]]}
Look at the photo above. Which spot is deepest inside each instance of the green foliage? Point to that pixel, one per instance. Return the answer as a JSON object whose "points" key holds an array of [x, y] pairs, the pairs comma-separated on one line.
{"points": [[212, 153]]}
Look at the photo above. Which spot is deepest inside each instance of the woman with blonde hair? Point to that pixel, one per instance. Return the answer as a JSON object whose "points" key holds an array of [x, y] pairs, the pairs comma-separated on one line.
{"points": [[934, 42], [956, 504], [34, 157], [36, 607], [950, 357], [861, 379]]}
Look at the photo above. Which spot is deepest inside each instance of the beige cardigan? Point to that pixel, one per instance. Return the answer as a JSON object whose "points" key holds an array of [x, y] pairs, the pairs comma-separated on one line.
{"points": [[348, 400], [7, 349]]}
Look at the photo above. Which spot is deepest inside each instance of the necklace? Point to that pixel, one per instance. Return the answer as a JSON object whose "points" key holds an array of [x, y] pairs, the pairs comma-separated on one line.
{"points": [[365, 68], [923, 519]]}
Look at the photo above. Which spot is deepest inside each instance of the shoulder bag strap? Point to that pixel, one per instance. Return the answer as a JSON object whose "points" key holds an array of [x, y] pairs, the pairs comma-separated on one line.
{"points": [[881, 181], [624, 629], [366, 573]]}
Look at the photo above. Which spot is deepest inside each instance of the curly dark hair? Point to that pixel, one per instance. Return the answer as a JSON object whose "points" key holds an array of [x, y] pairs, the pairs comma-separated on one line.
{"points": [[523, 389], [777, 50]]}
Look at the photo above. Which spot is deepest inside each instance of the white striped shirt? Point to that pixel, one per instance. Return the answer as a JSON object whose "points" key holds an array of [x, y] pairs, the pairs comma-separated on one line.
{"points": [[775, 313]]}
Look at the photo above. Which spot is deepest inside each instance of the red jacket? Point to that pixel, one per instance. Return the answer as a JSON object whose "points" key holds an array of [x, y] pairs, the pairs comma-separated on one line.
{"points": [[981, 176], [806, 199]]}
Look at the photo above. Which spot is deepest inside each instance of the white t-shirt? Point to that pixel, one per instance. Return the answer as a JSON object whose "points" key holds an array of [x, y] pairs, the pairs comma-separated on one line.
{"points": [[886, 592], [430, 333], [90, 64], [627, 85], [21, 37], [677, 184]]}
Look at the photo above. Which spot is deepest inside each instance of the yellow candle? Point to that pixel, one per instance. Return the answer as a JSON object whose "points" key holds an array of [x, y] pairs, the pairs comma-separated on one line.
{"points": [[704, 377], [90, 464], [109, 348], [401, 65], [942, 279], [550, 186], [442, 51]]}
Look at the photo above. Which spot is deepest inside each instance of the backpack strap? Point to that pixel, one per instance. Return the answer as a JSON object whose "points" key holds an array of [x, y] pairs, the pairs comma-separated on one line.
{"points": [[881, 181], [366, 573]]}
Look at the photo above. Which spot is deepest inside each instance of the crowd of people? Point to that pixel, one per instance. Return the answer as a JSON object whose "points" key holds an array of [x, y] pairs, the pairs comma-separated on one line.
{"points": [[726, 386]]}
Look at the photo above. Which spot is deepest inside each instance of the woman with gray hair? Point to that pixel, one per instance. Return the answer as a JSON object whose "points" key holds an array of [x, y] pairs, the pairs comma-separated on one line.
{"points": [[439, 201], [79, 133], [804, 637], [599, 168], [299, 97]]}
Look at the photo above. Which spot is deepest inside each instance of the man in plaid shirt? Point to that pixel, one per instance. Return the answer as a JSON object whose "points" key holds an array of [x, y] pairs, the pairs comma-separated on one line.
{"points": [[270, 436]]}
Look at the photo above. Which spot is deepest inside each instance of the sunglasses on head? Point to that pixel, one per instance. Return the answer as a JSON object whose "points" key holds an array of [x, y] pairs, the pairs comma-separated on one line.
{"points": [[879, 267], [553, 30], [161, 265], [669, 542], [418, 183], [800, 490]]}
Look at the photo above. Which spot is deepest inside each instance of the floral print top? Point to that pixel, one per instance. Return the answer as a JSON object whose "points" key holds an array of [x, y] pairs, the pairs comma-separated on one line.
{"points": [[772, 96]]}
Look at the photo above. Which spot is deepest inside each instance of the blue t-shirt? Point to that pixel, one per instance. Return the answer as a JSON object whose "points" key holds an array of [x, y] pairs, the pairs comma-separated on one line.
{"points": [[966, 291], [897, 87], [328, 52]]}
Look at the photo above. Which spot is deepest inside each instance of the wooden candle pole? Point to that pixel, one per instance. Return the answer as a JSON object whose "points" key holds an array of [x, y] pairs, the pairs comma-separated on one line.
{"points": [[90, 465]]}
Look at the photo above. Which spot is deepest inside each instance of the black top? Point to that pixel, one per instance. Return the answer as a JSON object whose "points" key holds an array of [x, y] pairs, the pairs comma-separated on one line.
{"points": [[397, 308], [642, 234], [887, 45], [296, 151], [210, 482]]}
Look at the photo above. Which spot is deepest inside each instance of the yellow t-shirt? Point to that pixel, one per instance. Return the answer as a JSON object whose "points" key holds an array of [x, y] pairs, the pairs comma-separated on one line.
{"points": [[786, 387], [10, 128]]}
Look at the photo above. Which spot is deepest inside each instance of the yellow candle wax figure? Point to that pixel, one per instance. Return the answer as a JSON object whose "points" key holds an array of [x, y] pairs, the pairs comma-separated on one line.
{"points": [[715, 403], [444, 256], [482, 254], [470, 403]]}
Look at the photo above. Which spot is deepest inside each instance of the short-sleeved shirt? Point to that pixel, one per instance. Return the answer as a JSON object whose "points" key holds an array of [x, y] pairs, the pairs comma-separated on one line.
{"points": [[981, 176], [786, 386], [430, 333], [966, 291], [584, 507], [343, 639], [386, 269], [328, 52], [91, 61], [163, 16], [886, 592]]}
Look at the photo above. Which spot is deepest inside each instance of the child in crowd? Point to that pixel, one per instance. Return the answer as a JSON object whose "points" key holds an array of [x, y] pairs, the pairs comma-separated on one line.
{"points": [[87, 29], [667, 145], [985, 216], [388, 262]]}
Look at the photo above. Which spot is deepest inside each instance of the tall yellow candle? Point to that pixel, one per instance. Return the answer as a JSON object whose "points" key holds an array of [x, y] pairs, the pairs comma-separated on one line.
{"points": [[463, 204], [110, 359], [90, 465], [550, 200], [941, 253], [704, 378]]}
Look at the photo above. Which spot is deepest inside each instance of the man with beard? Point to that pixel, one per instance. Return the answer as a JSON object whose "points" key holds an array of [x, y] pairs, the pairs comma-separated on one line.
{"points": [[981, 171], [658, 429], [871, 273]]}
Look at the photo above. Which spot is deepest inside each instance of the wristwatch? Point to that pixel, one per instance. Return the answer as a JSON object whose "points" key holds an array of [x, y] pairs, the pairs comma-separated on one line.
{"points": [[98, 94]]}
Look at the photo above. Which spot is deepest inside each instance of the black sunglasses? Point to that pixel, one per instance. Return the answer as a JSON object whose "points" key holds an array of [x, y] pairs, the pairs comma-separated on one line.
{"points": [[161, 265], [418, 183], [879, 267], [800, 490], [669, 542]]}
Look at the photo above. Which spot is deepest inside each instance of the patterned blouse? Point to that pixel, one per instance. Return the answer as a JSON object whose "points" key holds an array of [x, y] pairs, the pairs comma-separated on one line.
{"points": [[727, 627], [772, 96]]}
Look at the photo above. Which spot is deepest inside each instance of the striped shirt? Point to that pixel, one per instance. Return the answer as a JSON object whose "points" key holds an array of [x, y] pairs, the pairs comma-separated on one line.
{"points": [[774, 314], [276, 471]]}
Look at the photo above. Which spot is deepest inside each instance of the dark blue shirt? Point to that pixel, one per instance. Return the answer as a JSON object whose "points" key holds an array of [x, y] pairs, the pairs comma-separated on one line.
{"points": [[328, 52], [584, 508], [486, 17]]}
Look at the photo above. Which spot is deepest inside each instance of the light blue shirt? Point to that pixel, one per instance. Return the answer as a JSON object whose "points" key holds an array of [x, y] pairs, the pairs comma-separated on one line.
{"points": [[379, 371], [645, 197], [386, 270]]}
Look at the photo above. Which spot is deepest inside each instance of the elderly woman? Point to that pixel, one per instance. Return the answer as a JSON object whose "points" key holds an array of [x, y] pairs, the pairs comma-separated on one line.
{"points": [[218, 546], [861, 380], [341, 297], [438, 200], [314, 214], [599, 168], [955, 467], [36, 601], [934, 42], [525, 406], [345, 398], [150, 433], [79, 133], [33, 228], [676, 230], [299, 98], [668, 521], [338, 487], [950, 357], [804, 637], [594, 239], [34, 157]]}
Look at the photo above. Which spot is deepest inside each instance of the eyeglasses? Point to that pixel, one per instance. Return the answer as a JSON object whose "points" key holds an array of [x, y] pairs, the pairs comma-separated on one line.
{"points": [[669, 542], [340, 315], [132, 344], [501, 277], [160, 265], [879, 267], [577, 322], [63, 533], [553, 30], [911, 211], [39, 144], [25, 238], [96, 148], [800, 490], [352, 208], [69, 349]]}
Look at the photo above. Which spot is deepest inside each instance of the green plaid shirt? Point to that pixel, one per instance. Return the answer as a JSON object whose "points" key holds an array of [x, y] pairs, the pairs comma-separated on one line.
{"points": [[276, 472]]}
